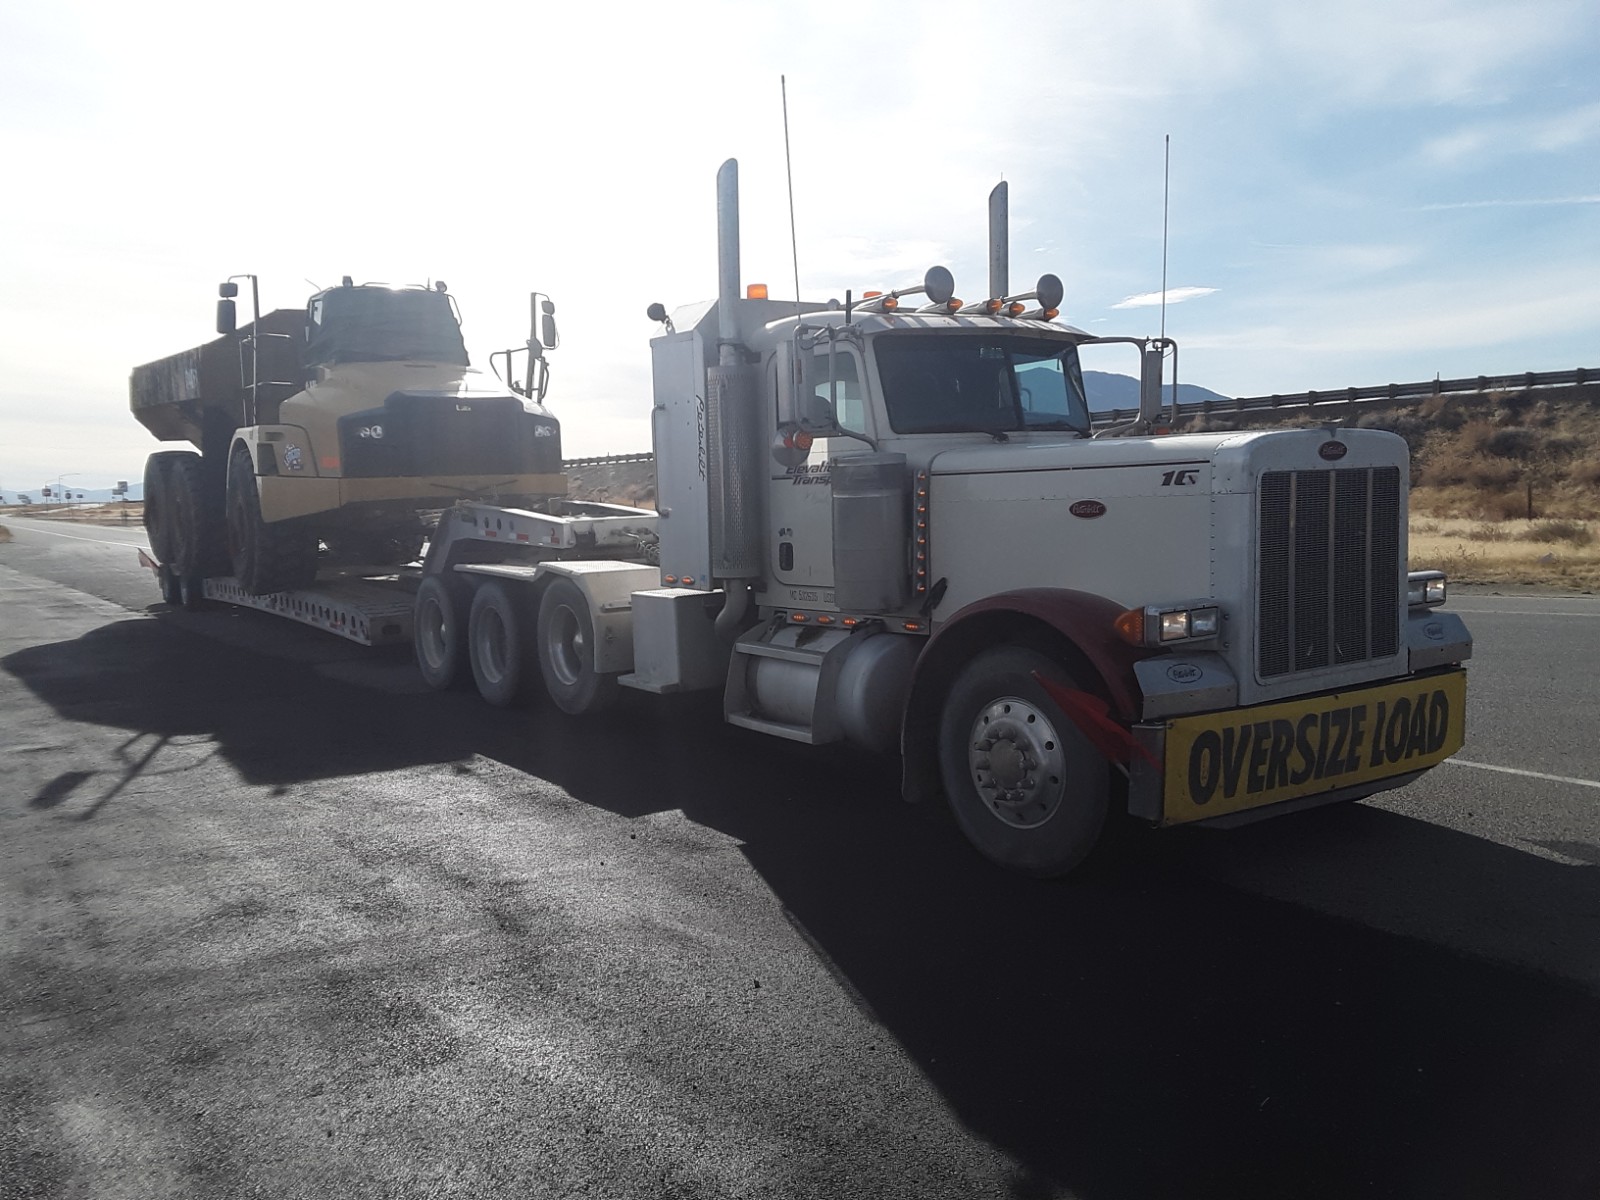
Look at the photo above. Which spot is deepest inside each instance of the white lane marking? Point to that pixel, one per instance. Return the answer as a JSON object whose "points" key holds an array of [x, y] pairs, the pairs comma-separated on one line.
{"points": [[74, 536], [1522, 612], [1461, 762]]}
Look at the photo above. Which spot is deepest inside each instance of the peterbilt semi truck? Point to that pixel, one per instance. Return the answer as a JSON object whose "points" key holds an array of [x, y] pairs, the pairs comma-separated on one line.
{"points": [[322, 433], [892, 522]]}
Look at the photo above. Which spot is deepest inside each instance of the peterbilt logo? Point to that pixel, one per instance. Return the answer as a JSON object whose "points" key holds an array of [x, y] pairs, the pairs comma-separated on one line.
{"points": [[372, 431], [1087, 509], [1332, 451]]}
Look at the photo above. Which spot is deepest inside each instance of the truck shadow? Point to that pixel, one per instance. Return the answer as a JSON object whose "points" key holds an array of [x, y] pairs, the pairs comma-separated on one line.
{"points": [[1144, 1030]]}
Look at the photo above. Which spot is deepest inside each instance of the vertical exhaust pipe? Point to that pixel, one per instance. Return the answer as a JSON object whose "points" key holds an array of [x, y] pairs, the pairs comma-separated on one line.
{"points": [[727, 261], [999, 242]]}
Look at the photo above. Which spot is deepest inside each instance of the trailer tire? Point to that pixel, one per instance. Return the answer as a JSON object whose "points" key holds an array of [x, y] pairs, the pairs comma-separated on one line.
{"points": [[1023, 783], [439, 633], [265, 558], [566, 652], [496, 644]]}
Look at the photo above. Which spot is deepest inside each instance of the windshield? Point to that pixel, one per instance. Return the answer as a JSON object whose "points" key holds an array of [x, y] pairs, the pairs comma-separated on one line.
{"points": [[988, 383], [375, 324]]}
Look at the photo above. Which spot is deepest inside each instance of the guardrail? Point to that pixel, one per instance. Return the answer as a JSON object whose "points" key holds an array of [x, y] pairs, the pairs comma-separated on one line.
{"points": [[1389, 393], [606, 460]]}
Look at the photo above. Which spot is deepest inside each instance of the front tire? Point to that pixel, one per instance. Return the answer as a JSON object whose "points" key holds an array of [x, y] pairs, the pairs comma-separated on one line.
{"points": [[276, 557], [566, 652], [495, 645], [1023, 783]]}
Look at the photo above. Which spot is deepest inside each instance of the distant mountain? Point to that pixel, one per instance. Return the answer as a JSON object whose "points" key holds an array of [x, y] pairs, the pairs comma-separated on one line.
{"points": [[1108, 391]]}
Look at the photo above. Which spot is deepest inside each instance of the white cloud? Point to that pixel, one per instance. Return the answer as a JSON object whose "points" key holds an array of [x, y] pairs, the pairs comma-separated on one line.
{"points": [[1174, 296], [1545, 202]]}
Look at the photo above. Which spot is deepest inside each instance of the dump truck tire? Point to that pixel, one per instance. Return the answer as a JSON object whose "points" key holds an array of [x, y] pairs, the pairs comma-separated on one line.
{"points": [[194, 521], [279, 557], [158, 501]]}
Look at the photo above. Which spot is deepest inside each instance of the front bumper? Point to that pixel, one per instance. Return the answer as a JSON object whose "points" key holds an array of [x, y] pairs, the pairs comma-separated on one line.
{"points": [[1316, 749]]}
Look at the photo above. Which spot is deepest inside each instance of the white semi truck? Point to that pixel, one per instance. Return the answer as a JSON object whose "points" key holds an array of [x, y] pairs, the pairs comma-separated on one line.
{"points": [[892, 523]]}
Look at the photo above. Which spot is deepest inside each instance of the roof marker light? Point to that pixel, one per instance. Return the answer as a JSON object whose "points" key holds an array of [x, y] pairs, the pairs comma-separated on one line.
{"points": [[756, 291]]}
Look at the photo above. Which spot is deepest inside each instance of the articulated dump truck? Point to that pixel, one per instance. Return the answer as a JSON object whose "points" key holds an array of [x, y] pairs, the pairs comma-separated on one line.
{"points": [[323, 435], [890, 522]]}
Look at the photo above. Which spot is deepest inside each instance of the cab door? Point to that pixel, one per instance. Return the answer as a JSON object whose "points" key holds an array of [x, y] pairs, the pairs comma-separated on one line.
{"points": [[800, 498]]}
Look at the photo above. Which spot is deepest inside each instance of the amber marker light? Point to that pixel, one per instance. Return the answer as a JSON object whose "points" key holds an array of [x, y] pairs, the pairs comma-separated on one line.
{"points": [[1016, 309], [1050, 314], [890, 304], [799, 618], [824, 619], [870, 295], [756, 291], [1130, 626], [912, 626]]}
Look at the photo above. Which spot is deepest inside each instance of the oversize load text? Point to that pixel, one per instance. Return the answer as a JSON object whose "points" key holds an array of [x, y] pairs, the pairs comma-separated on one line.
{"points": [[1357, 741]]}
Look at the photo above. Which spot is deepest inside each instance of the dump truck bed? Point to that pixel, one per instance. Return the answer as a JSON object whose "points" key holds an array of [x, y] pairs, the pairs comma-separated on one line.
{"points": [[169, 395]]}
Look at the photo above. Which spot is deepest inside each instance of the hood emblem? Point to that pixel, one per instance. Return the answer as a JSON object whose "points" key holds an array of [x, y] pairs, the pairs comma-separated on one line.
{"points": [[1333, 451], [1087, 509]]}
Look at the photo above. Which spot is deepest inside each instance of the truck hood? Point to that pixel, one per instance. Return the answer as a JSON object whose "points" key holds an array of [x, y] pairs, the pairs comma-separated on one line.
{"points": [[1236, 458]]}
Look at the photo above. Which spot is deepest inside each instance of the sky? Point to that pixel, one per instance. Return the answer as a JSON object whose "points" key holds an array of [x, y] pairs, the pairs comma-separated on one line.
{"points": [[1360, 193]]}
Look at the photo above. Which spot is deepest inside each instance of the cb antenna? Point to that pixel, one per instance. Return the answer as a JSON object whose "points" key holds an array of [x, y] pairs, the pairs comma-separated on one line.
{"points": [[788, 167], [1166, 199]]}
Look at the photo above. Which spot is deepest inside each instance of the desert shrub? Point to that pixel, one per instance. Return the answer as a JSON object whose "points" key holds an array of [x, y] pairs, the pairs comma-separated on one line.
{"points": [[1495, 506], [1586, 472], [1488, 533], [1560, 445], [1517, 442], [1450, 466], [1458, 562], [1575, 532]]}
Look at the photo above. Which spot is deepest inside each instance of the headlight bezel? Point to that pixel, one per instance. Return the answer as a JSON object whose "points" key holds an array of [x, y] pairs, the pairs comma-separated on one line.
{"points": [[1160, 626], [1426, 589]]}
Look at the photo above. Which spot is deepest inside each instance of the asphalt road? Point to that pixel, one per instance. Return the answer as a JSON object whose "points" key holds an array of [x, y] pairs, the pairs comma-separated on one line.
{"points": [[277, 923]]}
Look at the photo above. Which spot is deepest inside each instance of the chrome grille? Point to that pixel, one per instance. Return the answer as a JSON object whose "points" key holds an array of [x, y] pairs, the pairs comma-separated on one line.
{"points": [[1330, 568]]}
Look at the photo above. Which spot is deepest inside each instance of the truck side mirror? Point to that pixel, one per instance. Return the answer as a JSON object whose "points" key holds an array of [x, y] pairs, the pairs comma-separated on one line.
{"points": [[227, 318], [1150, 369], [545, 309]]}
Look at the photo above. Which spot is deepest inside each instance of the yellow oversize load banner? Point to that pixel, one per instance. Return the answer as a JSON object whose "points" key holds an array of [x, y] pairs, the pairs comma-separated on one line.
{"points": [[1224, 762]]}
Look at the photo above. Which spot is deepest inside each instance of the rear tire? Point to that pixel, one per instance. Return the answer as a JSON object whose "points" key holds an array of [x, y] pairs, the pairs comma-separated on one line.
{"points": [[1023, 783], [157, 494], [276, 557], [566, 652], [196, 529], [439, 634], [496, 644]]}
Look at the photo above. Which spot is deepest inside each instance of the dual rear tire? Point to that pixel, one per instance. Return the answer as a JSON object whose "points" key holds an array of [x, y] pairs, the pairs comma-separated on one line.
{"points": [[183, 518]]}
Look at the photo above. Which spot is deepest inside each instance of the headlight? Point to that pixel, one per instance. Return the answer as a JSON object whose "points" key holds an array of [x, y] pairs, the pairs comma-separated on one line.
{"points": [[1164, 624], [1425, 589]]}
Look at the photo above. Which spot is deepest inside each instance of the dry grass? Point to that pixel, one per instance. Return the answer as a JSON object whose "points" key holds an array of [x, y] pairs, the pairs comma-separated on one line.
{"points": [[1551, 553]]}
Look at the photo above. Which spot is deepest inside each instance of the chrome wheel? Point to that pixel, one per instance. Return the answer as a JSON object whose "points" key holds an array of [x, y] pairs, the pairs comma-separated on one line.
{"points": [[1017, 765]]}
